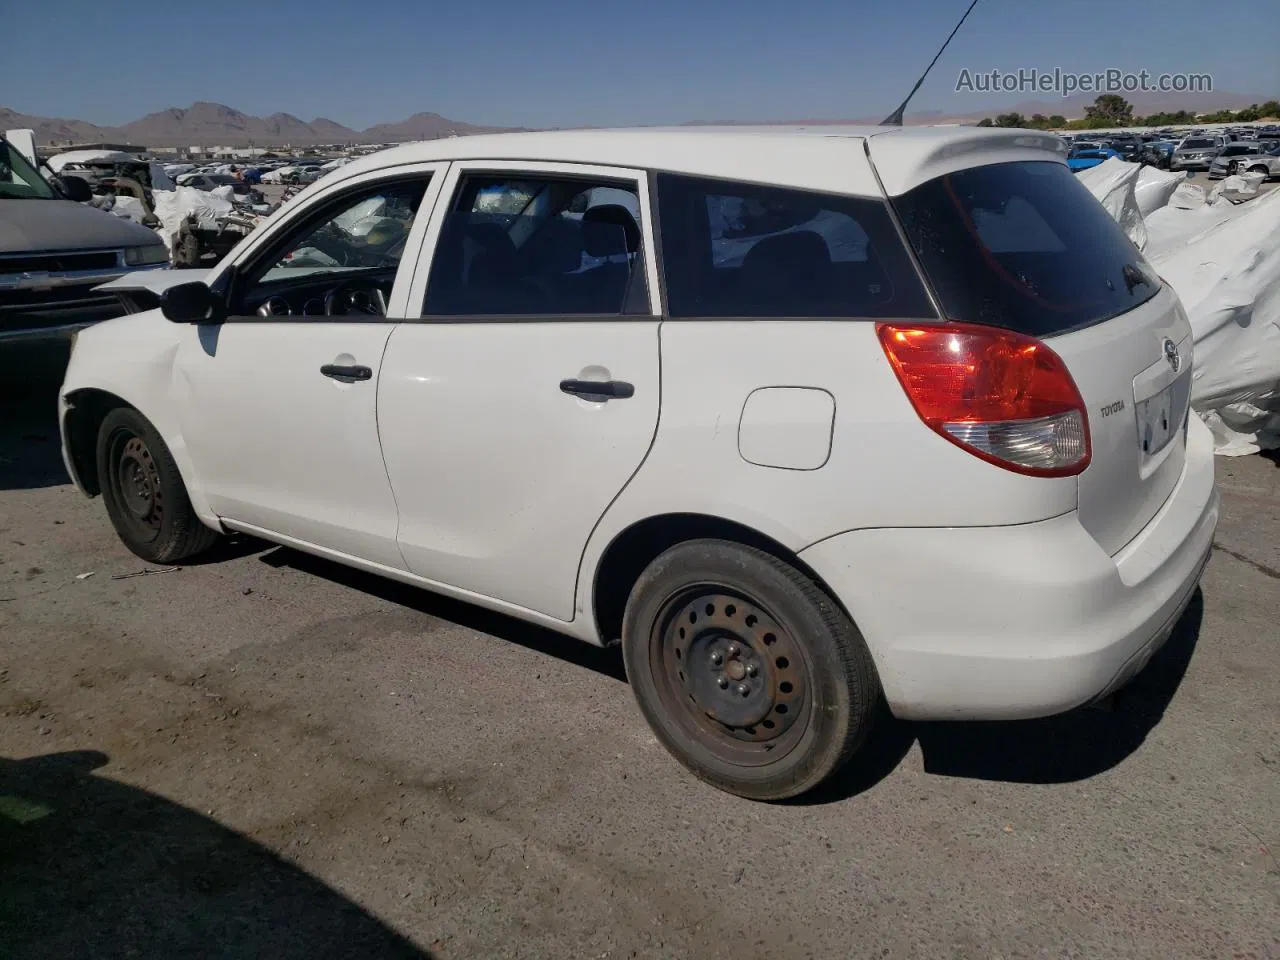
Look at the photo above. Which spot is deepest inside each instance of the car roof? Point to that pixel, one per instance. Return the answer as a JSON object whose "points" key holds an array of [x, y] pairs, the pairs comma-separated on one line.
{"points": [[817, 157]]}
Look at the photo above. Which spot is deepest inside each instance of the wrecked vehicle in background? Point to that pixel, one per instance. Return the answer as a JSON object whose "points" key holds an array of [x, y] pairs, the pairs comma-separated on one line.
{"points": [[112, 175], [55, 249], [1263, 158], [200, 227], [199, 220]]}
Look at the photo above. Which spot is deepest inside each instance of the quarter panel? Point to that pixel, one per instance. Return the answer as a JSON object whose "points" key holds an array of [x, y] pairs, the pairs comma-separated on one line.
{"points": [[886, 468]]}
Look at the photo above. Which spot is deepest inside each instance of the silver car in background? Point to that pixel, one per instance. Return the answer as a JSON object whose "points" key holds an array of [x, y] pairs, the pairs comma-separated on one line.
{"points": [[1195, 153], [1261, 158]]}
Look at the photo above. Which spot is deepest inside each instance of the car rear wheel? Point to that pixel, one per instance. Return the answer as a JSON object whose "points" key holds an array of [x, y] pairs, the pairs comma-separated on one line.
{"points": [[1260, 169], [144, 493], [746, 670]]}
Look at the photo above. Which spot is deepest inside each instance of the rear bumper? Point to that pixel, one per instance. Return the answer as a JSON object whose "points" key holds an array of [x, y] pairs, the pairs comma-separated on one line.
{"points": [[994, 623]]}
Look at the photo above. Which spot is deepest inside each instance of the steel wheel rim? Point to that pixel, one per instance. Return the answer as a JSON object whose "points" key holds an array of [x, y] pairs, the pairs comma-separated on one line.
{"points": [[138, 489], [708, 645]]}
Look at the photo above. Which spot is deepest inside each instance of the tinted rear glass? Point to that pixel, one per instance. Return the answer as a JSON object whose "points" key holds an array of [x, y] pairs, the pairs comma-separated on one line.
{"points": [[732, 249], [1023, 246]]}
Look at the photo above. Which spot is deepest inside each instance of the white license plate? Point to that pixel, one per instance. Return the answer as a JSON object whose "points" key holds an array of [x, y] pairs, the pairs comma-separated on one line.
{"points": [[1156, 422]]}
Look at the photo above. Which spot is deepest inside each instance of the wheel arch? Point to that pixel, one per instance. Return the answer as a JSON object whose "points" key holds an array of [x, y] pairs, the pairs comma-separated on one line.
{"points": [[636, 546], [83, 410]]}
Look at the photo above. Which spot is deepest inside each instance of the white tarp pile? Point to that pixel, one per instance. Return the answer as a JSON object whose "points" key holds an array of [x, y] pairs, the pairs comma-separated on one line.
{"points": [[1238, 187], [125, 207], [1222, 257], [174, 206], [1114, 183]]}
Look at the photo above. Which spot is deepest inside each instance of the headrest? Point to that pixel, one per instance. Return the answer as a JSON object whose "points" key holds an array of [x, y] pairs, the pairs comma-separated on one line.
{"points": [[609, 230], [490, 254], [792, 264]]}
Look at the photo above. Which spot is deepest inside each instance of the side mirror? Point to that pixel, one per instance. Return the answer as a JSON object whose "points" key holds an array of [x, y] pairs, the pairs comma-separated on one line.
{"points": [[76, 189], [189, 303]]}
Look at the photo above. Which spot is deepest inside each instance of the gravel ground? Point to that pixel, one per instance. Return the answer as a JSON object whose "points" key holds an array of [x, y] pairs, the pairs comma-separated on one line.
{"points": [[270, 755]]}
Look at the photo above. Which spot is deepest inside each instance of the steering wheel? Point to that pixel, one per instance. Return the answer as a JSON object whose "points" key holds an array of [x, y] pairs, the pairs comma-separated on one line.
{"points": [[355, 299]]}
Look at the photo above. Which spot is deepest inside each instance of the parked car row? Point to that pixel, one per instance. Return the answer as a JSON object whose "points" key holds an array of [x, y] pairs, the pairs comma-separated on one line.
{"points": [[1220, 154]]}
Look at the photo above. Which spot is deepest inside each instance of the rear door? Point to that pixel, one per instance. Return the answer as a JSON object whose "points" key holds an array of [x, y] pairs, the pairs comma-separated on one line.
{"points": [[526, 395], [1026, 247]]}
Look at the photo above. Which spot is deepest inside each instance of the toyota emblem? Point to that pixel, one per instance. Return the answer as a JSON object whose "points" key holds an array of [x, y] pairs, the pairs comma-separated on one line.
{"points": [[1171, 354]]}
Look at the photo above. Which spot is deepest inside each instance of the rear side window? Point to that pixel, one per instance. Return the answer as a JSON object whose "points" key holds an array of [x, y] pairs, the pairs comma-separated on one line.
{"points": [[535, 246], [733, 249], [1023, 246]]}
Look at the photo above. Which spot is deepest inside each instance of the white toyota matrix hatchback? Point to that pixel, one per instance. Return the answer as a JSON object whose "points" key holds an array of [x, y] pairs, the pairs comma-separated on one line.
{"points": [[809, 420]]}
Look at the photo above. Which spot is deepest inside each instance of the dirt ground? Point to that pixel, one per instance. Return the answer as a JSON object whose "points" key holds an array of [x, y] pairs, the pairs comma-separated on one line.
{"points": [[268, 755]]}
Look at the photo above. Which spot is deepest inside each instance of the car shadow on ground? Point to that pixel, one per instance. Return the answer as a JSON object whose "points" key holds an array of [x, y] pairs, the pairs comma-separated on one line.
{"points": [[605, 661], [1063, 749], [92, 868], [30, 449]]}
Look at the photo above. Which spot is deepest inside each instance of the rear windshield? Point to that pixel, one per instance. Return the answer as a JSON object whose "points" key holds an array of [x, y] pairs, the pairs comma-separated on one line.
{"points": [[732, 249], [1023, 246]]}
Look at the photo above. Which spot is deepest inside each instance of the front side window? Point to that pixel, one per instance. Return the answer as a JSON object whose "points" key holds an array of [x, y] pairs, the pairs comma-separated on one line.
{"points": [[1023, 246], [539, 246], [732, 249], [339, 261]]}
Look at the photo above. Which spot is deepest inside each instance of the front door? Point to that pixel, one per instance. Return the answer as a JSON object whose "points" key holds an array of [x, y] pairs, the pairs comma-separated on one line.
{"points": [[525, 398], [279, 404]]}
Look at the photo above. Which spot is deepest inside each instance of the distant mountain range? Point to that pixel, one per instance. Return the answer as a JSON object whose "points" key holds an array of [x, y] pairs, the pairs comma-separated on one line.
{"points": [[214, 124]]}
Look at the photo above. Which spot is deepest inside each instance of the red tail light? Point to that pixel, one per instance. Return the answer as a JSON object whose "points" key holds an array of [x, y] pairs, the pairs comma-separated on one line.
{"points": [[1002, 396]]}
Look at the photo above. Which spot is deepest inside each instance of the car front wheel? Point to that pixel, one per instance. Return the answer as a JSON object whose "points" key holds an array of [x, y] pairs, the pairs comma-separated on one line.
{"points": [[144, 493], [749, 673]]}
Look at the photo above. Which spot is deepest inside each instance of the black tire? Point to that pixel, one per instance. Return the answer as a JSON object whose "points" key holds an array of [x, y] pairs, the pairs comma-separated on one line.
{"points": [[144, 493], [707, 611]]}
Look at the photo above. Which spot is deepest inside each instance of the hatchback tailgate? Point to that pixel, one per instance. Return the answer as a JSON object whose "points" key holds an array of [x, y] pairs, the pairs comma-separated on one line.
{"points": [[1134, 373]]}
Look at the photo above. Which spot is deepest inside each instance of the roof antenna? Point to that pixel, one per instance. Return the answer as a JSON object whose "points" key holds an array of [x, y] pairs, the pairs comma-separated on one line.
{"points": [[895, 119]]}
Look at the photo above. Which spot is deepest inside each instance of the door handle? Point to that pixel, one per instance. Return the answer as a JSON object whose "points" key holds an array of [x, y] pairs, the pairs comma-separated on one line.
{"points": [[599, 389], [346, 373]]}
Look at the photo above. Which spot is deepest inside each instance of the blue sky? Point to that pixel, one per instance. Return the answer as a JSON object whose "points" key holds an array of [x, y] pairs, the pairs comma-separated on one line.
{"points": [[568, 62]]}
